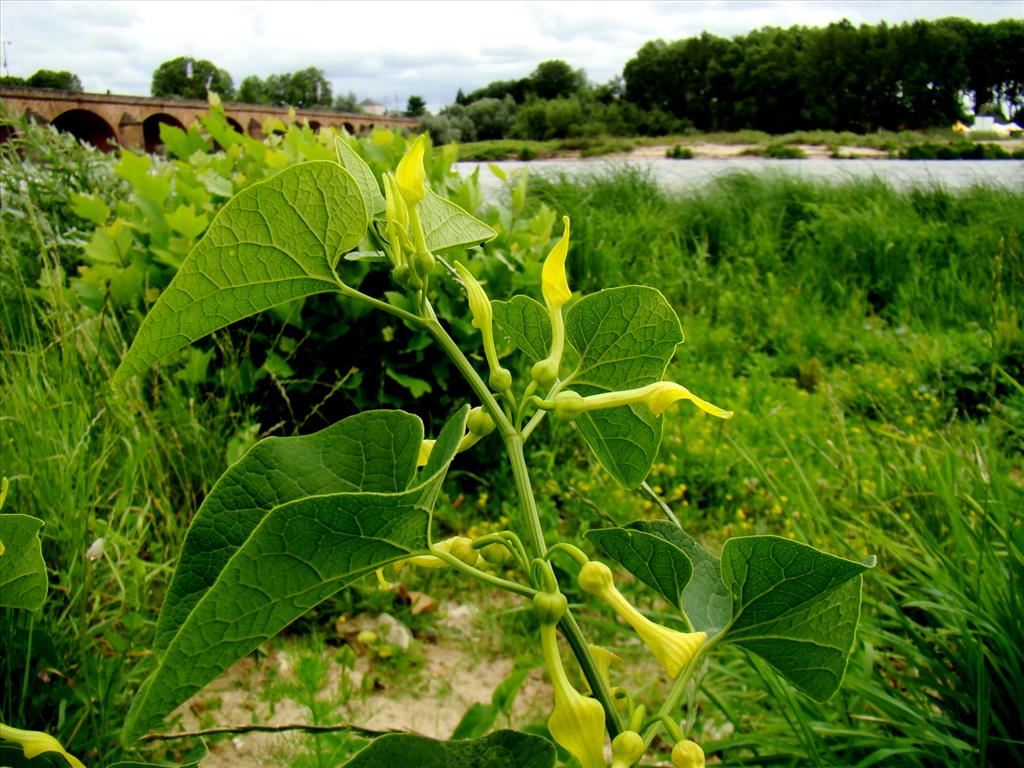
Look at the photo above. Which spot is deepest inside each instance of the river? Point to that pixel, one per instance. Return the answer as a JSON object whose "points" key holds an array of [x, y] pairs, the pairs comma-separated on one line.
{"points": [[683, 175]]}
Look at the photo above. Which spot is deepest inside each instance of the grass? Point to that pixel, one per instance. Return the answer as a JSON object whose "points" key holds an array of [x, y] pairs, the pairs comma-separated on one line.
{"points": [[869, 341], [126, 472], [528, 149], [880, 410]]}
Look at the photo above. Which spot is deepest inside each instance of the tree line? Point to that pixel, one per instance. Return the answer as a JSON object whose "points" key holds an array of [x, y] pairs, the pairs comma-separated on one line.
{"points": [[60, 80], [914, 75], [840, 77], [189, 78]]}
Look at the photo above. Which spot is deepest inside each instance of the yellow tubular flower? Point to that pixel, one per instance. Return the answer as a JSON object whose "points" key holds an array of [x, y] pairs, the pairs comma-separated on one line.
{"points": [[576, 722], [36, 743], [554, 285], [687, 754], [603, 660], [480, 308], [658, 397], [410, 174], [627, 748], [425, 448], [672, 649], [553, 281]]}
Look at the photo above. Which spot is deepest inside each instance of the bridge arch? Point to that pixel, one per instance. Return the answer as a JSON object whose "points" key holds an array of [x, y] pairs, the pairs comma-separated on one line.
{"points": [[235, 124], [87, 126], [151, 129]]}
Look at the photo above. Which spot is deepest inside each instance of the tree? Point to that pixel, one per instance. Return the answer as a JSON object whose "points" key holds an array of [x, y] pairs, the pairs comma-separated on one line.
{"points": [[253, 91], [189, 78], [347, 103], [555, 79], [415, 107], [61, 81], [492, 118], [305, 88]]}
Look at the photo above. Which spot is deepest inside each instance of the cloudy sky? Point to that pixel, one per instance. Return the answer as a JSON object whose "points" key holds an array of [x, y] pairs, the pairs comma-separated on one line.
{"points": [[388, 50]]}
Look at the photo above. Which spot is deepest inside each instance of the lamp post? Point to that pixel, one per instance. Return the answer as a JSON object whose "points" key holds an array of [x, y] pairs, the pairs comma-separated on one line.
{"points": [[7, 66]]}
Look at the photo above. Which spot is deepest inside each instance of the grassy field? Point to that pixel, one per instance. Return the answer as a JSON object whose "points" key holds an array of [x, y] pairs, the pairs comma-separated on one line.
{"points": [[869, 341]]}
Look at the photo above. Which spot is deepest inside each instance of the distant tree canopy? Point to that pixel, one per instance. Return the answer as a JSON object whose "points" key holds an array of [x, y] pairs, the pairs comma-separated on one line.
{"points": [[46, 78], [415, 106], [550, 80], [189, 78], [840, 77], [305, 88]]}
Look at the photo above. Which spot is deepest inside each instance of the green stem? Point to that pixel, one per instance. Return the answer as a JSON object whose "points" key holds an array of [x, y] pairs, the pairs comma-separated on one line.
{"points": [[574, 636], [679, 687], [497, 581], [528, 506], [352, 293], [480, 389], [527, 503]]}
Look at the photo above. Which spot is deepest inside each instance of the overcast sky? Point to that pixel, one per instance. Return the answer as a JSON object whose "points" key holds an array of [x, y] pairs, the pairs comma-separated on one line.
{"points": [[388, 50]]}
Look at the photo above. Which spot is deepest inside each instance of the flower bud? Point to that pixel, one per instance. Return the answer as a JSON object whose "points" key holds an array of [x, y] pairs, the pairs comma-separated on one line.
{"points": [[462, 548], [500, 379], [545, 371], [549, 607], [569, 405], [479, 422], [687, 754], [627, 748], [596, 578], [496, 554]]}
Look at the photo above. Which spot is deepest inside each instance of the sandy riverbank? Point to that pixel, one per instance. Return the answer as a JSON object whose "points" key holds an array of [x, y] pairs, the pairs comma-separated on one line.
{"points": [[710, 151]]}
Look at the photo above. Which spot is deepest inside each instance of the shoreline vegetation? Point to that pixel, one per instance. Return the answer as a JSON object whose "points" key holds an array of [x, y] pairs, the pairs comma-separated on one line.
{"points": [[811, 145]]}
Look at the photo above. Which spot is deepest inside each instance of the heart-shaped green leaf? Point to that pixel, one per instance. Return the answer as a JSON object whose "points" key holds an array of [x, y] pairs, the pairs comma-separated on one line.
{"points": [[794, 606], [501, 749], [275, 241], [22, 569], [293, 549], [374, 451], [625, 338], [367, 182], [446, 225], [658, 563], [706, 600], [524, 321]]}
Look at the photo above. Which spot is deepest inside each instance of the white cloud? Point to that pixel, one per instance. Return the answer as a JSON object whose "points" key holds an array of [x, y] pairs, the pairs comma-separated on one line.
{"points": [[387, 51]]}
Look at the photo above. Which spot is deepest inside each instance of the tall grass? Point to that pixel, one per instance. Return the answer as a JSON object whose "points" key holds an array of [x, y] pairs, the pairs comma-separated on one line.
{"points": [[114, 477], [870, 342]]}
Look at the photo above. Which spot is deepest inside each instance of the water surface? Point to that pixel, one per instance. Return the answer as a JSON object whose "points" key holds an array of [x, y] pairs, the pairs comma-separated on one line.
{"points": [[682, 175]]}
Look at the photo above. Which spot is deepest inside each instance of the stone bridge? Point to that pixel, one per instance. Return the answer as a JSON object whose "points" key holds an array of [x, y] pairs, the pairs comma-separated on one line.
{"points": [[106, 120]]}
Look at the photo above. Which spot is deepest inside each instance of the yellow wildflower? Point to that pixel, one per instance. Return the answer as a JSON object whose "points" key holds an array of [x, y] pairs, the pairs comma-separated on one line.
{"points": [[673, 649], [410, 174], [35, 743]]}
